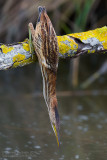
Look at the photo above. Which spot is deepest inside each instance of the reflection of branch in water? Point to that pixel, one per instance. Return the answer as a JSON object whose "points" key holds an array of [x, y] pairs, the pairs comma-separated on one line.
{"points": [[75, 93], [95, 76], [78, 93]]}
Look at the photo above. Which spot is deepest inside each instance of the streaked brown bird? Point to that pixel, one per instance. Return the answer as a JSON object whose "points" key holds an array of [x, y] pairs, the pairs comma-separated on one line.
{"points": [[46, 48]]}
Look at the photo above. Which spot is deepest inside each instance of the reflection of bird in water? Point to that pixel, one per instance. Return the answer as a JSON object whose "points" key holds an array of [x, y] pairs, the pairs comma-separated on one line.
{"points": [[46, 48]]}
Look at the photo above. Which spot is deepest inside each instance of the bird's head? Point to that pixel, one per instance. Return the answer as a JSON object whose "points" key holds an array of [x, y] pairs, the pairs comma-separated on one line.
{"points": [[41, 10]]}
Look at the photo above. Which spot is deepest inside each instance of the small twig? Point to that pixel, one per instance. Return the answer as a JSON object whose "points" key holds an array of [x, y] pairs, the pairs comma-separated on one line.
{"points": [[95, 76]]}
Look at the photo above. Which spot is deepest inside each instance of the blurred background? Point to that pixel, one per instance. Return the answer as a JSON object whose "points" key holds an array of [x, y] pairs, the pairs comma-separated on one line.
{"points": [[81, 87]]}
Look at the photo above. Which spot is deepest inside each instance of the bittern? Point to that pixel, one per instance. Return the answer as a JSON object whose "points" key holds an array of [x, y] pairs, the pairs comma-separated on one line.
{"points": [[46, 48]]}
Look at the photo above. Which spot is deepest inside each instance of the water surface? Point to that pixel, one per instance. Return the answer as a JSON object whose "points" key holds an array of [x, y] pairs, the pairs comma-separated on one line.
{"points": [[25, 130]]}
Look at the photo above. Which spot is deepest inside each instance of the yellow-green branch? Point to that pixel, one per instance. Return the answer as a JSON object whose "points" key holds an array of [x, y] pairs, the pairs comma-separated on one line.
{"points": [[72, 45]]}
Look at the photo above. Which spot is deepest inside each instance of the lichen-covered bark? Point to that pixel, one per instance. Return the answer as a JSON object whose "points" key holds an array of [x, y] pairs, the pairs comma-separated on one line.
{"points": [[72, 45]]}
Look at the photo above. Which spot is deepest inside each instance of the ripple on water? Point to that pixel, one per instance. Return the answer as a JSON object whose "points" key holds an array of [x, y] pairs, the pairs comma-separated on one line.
{"points": [[68, 132], [83, 118], [33, 137], [99, 126], [37, 147], [76, 156], [84, 129], [93, 115], [8, 148], [66, 117], [46, 145], [79, 107], [62, 157], [29, 142]]}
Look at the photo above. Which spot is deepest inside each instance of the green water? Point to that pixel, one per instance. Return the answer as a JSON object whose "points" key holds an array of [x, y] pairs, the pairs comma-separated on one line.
{"points": [[25, 130]]}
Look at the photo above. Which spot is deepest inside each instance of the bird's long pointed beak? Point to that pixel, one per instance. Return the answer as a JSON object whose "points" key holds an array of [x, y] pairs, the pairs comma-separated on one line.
{"points": [[40, 10], [56, 131]]}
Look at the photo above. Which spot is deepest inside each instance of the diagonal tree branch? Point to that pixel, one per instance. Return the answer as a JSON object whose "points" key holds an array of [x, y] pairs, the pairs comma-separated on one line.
{"points": [[72, 45]]}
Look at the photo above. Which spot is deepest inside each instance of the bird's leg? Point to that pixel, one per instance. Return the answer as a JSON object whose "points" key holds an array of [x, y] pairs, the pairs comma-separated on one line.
{"points": [[30, 40]]}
